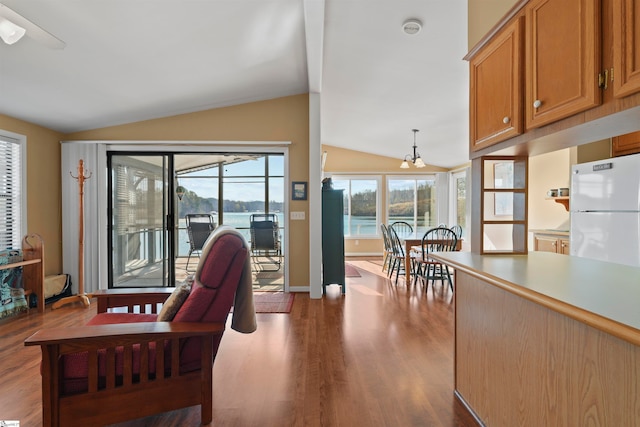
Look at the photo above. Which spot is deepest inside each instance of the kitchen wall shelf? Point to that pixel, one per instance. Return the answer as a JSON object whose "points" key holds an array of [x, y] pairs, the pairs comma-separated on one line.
{"points": [[563, 200]]}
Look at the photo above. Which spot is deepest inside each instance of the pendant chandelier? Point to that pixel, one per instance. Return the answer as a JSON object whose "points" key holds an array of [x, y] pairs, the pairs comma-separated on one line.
{"points": [[415, 159]]}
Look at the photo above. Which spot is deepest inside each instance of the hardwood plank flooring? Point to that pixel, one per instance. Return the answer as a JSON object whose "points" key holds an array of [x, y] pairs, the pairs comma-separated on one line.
{"points": [[380, 356]]}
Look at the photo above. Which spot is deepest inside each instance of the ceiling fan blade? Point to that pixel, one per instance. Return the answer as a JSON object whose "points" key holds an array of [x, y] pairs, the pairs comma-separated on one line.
{"points": [[33, 31]]}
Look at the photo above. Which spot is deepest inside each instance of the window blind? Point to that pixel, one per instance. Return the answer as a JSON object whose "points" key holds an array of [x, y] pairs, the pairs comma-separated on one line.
{"points": [[10, 193]]}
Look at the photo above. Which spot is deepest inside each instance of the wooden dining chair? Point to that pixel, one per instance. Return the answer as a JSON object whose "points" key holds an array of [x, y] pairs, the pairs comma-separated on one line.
{"points": [[437, 239], [402, 228], [388, 249], [458, 230], [398, 260]]}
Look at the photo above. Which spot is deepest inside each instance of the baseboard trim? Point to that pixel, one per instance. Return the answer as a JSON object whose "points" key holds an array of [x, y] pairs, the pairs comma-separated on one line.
{"points": [[362, 254], [298, 289]]}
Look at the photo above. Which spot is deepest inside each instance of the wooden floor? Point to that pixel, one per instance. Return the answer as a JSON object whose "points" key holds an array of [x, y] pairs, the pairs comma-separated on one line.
{"points": [[380, 356]]}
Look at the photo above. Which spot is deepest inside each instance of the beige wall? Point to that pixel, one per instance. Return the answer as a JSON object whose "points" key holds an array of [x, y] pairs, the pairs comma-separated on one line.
{"points": [[43, 187], [594, 151], [281, 119], [483, 15], [547, 171]]}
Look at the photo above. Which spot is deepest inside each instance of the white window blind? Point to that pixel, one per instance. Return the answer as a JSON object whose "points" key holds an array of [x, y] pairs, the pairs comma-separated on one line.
{"points": [[10, 193]]}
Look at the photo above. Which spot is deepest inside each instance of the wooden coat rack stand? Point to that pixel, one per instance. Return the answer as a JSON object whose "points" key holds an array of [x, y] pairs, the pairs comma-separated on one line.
{"points": [[85, 299]]}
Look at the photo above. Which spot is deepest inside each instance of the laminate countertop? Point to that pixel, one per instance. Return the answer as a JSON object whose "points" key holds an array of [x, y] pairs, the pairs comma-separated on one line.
{"points": [[603, 295], [560, 233]]}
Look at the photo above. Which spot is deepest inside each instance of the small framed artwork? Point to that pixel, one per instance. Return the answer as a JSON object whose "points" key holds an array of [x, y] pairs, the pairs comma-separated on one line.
{"points": [[298, 190]]}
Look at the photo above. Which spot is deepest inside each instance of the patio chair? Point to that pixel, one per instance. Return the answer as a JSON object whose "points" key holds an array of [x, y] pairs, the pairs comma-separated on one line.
{"points": [[265, 240], [138, 362], [199, 227]]}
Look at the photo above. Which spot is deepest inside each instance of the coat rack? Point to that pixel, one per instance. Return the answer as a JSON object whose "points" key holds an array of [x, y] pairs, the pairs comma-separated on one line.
{"points": [[80, 296]]}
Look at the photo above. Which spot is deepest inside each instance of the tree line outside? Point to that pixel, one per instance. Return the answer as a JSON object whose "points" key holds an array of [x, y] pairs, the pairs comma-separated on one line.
{"points": [[191, 203], [363, 203], [400, 202]]}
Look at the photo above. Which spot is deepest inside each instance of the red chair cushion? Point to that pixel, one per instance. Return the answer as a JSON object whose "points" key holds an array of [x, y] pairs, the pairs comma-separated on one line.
{"points": [[212, 294]]}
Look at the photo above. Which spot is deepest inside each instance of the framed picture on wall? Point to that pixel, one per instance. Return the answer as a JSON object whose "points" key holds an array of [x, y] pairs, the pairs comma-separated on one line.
{"points": [[298, 190]]}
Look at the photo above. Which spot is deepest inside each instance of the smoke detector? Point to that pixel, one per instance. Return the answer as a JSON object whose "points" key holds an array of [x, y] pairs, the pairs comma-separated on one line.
{"points": [[412, 26]]}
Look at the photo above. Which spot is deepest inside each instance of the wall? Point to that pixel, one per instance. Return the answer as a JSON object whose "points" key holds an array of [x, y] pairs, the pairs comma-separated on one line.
{"points": [[546, 171], [483, 15], [594, 151], [281, 119], [43, 187], [341, 161]]}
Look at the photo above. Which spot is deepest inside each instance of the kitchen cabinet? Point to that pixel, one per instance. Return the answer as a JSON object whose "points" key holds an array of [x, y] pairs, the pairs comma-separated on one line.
{"points": [[626, 47], [549, 241], [496, 89], [625, 144], [562, 59]]}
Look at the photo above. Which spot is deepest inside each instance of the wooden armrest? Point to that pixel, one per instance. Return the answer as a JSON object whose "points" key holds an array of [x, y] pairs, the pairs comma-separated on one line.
{"points": [[131, 298], [110, 340], [83, 338]]}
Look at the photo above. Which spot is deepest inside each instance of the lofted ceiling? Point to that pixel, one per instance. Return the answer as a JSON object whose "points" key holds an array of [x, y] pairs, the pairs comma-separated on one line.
{"points": [[127, 61]]}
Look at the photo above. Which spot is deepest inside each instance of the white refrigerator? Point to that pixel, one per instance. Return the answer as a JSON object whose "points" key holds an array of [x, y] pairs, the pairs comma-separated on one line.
{"points": [[605, 210]]}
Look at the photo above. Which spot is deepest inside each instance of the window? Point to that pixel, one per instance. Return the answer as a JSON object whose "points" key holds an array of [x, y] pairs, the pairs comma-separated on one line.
{"points": [[459, 201], [361, 205], [413, 200], [11, 195]]}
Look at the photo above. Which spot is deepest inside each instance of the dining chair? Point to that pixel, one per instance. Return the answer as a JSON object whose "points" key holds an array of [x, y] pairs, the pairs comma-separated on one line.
{"points": [[388, 250], [402, 228], [397, 255], [458, 230], [437, 239]]}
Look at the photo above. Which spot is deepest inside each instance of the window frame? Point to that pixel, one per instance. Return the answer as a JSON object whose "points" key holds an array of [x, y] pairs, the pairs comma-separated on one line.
{"points": [[21, 141], [413, 177], [378, 180], [453, 199]]}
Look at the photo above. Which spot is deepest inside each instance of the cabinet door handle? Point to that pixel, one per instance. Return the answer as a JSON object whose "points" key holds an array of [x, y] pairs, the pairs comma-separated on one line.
{"points": [[537, 103], [506, 120], [554, 244]]}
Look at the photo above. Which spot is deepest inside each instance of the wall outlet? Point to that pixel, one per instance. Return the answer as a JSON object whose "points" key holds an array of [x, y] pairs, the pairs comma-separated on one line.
{"points": [[297, 215], [357, 242]]}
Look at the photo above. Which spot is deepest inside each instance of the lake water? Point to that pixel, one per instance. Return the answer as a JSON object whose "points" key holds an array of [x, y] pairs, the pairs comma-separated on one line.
{"points": [[360, 226]]}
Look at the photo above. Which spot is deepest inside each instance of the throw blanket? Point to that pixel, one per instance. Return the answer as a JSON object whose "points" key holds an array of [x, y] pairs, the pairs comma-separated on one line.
{"points": [[244, 313]]}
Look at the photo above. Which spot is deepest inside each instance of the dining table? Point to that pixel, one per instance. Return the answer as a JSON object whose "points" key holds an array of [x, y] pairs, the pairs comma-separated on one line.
{"points": [[415, 239]]}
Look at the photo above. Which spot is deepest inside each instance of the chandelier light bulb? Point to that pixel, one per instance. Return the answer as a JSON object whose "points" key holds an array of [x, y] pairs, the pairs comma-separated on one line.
{"points": [[415, 158]]}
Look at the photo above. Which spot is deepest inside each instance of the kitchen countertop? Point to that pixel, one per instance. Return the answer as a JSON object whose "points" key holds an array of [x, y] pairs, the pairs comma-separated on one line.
{"points": [[603, 295], [553, 232]]}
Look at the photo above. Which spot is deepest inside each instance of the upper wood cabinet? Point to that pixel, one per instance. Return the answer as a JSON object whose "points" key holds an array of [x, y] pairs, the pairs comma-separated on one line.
{"points": [[626, 47], [496, 89], [625, 144], [562, 59]]}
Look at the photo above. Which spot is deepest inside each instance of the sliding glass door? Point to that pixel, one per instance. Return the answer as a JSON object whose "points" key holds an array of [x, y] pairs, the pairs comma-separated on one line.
{"points": [[153, 197], [139, 206]]}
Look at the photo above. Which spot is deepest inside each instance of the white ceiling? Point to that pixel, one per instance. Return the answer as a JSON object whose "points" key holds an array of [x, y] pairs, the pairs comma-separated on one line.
{"points": [[127, 61]]}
